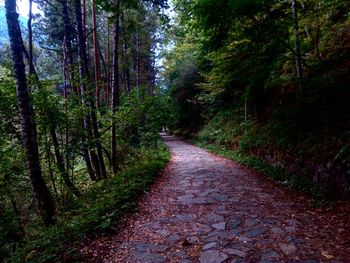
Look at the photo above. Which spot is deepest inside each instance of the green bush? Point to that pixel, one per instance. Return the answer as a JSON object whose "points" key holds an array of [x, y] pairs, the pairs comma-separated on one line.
{"points": [[98, 212]]}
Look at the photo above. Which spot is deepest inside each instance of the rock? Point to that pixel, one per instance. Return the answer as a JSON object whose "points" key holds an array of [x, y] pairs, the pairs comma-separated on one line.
{"points": [[212, 256], [219, 226], [209, 245], [252, 221], [288, 249], [201, 228], [193, 239], [245, 239], [137, 256], [278, 231], [255, 232], [234, 223], [290, 229], [218, 197], [147, 247], [163, 232], [174, 238], [234, 200], [186, 217], [235, 252], [270, 255], [213, 218]]}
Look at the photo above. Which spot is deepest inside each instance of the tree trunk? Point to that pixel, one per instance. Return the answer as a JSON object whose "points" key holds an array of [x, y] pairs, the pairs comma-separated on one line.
{"points": [[29, 134], [30, 38], [68, 40], [96, 55], [90, 120], [115, 90], [108, 87], [298, 62], [125, 58], [60, 164]]}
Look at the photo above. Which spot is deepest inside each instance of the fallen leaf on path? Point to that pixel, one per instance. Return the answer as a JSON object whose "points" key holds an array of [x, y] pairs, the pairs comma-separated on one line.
{"points": [[327, 255]]}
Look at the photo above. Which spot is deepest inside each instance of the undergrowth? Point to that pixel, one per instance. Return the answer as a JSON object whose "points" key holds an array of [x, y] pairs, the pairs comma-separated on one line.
{"points": [[319, 196], [98, 212]]}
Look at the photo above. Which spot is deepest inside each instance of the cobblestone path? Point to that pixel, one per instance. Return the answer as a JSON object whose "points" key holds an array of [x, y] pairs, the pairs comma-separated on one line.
{"points": [[207, 209]]}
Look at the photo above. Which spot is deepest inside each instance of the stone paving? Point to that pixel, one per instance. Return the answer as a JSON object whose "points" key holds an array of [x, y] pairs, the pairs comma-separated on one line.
{"points": [[208, 209]]}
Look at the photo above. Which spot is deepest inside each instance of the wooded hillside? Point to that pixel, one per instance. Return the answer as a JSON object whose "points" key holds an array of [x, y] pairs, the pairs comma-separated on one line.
{"points": [[86, 87], [269, 79]]}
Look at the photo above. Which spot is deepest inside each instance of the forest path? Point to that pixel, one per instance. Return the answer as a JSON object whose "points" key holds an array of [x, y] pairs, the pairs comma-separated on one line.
{"points": [[205, 208]]}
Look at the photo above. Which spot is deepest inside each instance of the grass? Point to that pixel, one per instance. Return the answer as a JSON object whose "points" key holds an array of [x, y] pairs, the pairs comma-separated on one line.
{"points": [[98, 212], [318, 196]]}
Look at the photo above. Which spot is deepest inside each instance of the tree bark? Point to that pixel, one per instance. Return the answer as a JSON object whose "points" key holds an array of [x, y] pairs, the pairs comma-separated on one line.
{"points": [[90, 120], [30, 38], [115, 90], [298, 62], [125, 58], [96, 55], [60, 164], [29, 134]]}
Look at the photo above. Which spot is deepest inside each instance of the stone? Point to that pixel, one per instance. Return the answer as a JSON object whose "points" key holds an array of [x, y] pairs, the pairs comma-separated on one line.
{"points": [[234, 223], [252, 221], [245, 239], [288, 249], [278, 231], [255, 232], [218, 197], [209, 245], [213, 218], [219, 226], [199, 228], [174, 238], [235, 252], [192, 240], [163, 232], [212, 256], [186, 217], [147, 247], [270, 255], [137, 256], [234, 200], [290, 229]]}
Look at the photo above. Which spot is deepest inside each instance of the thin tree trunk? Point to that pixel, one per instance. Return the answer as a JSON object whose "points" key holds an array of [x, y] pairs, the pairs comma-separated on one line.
{"points": [[97, 162], [138, 63], [125, 58], [68, 40], [96, 56], [29, 134], [48, 153], [60, 164], [298, 62], [108, 87], [115, 90], [30, 38]]}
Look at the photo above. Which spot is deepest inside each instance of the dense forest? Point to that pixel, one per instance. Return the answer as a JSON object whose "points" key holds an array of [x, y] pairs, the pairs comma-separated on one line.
{"points": [[86, 87], [267, 79]]}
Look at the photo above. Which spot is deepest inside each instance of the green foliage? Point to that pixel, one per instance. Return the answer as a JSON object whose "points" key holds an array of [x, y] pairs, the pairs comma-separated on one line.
{"points": [[98, 212], [319, 196]]}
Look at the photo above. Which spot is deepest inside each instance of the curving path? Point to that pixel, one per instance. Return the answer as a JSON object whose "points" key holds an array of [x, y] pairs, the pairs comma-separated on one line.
{"points": [[205, 208]]}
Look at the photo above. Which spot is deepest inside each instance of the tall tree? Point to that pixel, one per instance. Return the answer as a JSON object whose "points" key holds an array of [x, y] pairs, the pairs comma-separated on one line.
{"points": [[96, 55], [90, 120], [29, 133], [298, 62], [115, 88]]}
